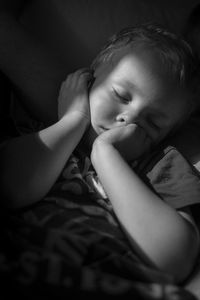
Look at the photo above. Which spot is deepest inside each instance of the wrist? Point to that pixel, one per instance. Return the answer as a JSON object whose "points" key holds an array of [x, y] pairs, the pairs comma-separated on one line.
{"points": [[76, 117], [101, 149]]}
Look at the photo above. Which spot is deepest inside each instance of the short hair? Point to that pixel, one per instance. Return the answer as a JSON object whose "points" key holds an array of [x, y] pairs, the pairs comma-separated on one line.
{"points": [[175, 53]]}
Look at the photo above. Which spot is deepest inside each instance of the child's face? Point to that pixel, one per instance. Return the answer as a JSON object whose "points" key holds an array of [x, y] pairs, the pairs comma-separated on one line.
{"points": [[134, 88]]}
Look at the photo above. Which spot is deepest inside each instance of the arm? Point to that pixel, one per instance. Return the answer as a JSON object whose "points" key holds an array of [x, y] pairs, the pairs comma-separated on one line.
{"points": [[30, 164], [158, 231]]}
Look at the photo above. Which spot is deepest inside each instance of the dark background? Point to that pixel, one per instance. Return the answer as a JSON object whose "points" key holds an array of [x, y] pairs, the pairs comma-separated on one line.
{"points": [[76, 29]]}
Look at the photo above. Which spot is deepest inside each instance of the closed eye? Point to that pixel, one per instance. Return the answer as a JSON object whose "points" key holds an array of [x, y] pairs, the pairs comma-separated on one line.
{"points": [[154, 125], [121, 97]]}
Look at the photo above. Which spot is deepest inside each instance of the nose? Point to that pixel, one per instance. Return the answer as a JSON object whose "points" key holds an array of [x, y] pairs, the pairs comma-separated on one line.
{"points": [[126, 118]]}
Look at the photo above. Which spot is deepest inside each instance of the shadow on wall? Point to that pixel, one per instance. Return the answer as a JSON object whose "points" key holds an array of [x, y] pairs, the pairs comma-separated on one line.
{"points": [[77, 29]]}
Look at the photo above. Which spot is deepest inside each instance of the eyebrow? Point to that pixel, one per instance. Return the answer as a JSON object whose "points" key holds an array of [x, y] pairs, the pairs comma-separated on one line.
{"points": [[128, 84]]}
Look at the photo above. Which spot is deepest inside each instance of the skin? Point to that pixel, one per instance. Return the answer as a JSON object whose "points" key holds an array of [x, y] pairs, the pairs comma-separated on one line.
{"points": [[134, 95], [133, 107], [114, 127], [81, 118]]}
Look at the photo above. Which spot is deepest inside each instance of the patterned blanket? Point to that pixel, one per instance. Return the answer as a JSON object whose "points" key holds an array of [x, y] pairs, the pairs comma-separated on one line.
{"points": [[70, 245], [53, 251]]}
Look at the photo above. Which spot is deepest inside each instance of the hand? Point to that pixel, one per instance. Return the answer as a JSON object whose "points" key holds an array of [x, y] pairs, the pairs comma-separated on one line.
{"points": [[130, 140], [73, 95]]}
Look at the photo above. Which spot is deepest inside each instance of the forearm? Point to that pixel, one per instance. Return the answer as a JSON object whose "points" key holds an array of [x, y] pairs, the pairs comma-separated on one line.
{"points": [[31, 164], [161, 234]]}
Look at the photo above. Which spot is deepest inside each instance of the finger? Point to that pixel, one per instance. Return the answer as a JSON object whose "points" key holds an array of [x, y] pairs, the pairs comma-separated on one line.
{"points": [[86, 78], [67, 79], [83, 71]]}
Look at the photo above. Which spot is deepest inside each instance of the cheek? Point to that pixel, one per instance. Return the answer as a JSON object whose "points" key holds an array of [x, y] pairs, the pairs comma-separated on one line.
{"points": [[102, 108]]}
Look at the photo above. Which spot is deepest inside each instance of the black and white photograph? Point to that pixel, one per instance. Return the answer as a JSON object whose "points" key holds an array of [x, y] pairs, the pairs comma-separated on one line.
{"points": [[100, 149]]}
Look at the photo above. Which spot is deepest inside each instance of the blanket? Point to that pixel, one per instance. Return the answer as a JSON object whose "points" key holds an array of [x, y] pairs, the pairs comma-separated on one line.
{"points": [[44, 253]]}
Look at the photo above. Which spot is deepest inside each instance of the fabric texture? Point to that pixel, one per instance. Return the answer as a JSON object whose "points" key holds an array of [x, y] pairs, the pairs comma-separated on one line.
{"points": [[70, 244], [171, 176]]}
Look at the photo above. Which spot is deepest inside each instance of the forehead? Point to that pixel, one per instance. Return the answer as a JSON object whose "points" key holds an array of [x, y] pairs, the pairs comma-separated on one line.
{"points": [[139, 68], [140, 72]]}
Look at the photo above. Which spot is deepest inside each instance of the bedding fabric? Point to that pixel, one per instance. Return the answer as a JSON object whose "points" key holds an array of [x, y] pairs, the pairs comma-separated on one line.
{"points": [[71, 246], [44, 256], [70, 243]]}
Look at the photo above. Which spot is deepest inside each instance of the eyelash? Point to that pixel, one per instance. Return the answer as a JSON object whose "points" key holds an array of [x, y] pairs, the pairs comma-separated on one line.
{"points": [[125, 100], [154, 125]]}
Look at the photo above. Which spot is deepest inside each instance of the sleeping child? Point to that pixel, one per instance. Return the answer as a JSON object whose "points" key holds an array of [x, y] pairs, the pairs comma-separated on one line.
{"points": [[109, 142]]}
